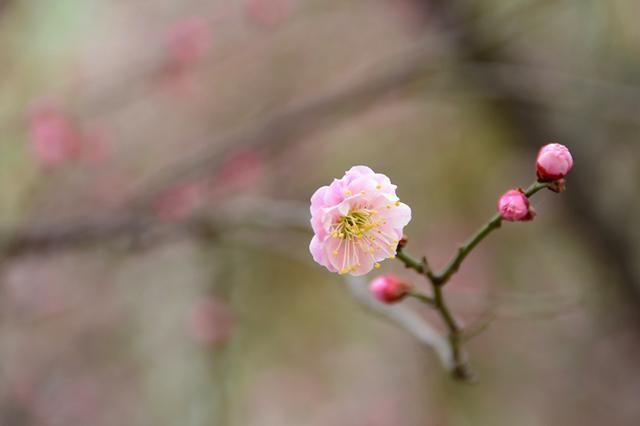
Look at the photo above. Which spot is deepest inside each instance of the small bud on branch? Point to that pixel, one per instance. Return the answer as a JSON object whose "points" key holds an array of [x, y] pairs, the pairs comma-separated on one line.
{"points": [[514, 206], [389, 289], [554, 161]]}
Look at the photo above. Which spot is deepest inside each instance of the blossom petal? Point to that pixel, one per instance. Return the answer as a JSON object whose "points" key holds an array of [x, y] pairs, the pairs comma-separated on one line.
{"points": [[317, 250], [317, 199]]}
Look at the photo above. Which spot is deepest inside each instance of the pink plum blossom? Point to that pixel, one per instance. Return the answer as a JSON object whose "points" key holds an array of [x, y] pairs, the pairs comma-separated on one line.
{"points": [[554, 161], [514, 206], [357, 221], [389, 289], [53, 138]]}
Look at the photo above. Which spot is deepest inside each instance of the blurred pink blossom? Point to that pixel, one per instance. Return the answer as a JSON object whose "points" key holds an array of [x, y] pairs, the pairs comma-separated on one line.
{"points": [[56, 140], [241, 169], [180, 201], [53, 138], [188, 41], [269, 13], [210, 321], [357, 221]]}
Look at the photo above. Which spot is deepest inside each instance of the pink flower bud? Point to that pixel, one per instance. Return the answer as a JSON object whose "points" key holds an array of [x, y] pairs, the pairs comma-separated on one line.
{"points": [[389, 289], [188, 41], [514, 206], [554, 162]]}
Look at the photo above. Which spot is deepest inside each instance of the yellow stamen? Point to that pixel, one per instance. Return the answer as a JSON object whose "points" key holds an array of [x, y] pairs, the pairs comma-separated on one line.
{"points": [[360, 233]]}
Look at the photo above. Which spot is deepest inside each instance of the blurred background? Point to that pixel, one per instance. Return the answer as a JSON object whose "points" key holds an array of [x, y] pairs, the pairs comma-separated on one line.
{"points": [[156, 162]]}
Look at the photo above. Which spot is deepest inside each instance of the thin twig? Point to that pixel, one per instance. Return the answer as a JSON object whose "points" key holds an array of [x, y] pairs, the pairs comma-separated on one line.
{"points": [[494, 223], [405, 318], [456, 335]]}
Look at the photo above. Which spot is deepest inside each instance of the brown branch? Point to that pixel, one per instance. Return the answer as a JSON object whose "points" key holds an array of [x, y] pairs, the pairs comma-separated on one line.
{"points": [[132, 229], [71, 235]]}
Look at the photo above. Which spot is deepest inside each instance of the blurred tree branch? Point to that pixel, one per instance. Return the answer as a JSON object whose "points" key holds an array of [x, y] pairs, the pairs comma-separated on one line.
{"points": [[275, 133], [271, 135], [143, 230]]}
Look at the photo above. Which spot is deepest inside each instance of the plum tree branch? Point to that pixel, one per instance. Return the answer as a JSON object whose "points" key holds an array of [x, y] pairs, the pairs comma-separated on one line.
{"points": [[460, 368]]}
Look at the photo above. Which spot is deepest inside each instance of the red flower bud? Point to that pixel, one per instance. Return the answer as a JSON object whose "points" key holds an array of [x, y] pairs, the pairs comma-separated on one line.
{"points": [[553, 162], [514, 206], [389, 289]]}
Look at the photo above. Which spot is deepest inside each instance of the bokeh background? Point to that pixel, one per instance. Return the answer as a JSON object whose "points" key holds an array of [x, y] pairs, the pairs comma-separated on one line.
{"points": [[156, 162]]}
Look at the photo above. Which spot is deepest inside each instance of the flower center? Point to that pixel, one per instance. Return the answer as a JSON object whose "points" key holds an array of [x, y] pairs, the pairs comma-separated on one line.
{"points": [[355, 224], [361, 235]]}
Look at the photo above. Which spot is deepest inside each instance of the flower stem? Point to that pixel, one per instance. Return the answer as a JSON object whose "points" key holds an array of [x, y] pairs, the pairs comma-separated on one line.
{"points": [[463, 251], [422, 297], [410, 262], [460, 369]]}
